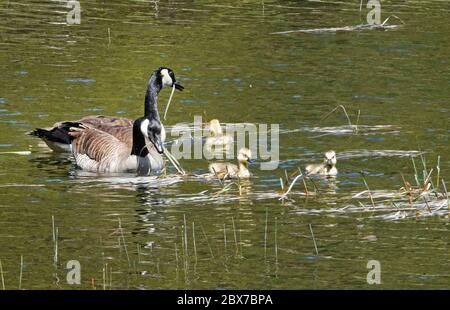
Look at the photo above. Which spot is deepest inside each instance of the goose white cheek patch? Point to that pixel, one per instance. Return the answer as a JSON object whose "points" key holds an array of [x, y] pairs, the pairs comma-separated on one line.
{"points": [[144, 128], [166, 79]]}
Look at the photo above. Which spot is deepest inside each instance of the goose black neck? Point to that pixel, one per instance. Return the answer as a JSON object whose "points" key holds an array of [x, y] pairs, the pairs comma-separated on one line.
{"points": [[151, 98], [138, 148]]}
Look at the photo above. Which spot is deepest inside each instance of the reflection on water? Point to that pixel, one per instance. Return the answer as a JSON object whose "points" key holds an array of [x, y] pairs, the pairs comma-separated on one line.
{"points": [[197, 232]]}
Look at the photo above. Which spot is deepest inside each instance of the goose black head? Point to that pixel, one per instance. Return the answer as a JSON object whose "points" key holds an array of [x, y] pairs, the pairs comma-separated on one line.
{"points": [[144, 130], [167, 78], [152, 129]]}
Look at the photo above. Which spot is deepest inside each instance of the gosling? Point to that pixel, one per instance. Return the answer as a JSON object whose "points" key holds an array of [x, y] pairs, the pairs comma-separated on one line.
{"points": [[217, 138], [231, 171], [327, 168]]}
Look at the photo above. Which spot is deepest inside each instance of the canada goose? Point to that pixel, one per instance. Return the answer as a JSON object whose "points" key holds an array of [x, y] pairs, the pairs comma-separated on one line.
{"points": [[216, 137], [328, 167], [119, 127], [99, 151], [228, 170]]}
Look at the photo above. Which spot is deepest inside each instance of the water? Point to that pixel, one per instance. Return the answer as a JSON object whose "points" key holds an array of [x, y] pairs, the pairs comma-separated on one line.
{"points": [[234, 68]]}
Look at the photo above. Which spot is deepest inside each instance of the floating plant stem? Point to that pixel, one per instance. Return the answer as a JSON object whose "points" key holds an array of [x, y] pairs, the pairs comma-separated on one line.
{"points": [[424, 164], [316, 189], [276, 242], [235, 237], [193, 238], [207, 242], [416, 175], [176, 259], [55, 241], [16, 153], [123, 241], [314, 239], [1, 274], [306, 187], [428, 181], [240, 243], [174, 162], [21, 272], [265, 235], [357, 121], [426, 203], [368, 189], [104, 275], [225, 238], [138, 252], [290, 187], [55, 257], [438, 169], [110, 278], [182, 246], [345, 112], [446, 193], [168, 102], [185, 235], [395, 16]]}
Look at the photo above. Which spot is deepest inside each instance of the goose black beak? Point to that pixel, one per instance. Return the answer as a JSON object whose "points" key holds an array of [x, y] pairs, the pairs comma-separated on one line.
{"points": [[159, 147], [156, 141], [251, 161], [178, 86]]}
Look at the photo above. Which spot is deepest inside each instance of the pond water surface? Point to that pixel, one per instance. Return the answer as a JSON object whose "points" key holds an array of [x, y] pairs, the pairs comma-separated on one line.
{"points": [[184, 232]]}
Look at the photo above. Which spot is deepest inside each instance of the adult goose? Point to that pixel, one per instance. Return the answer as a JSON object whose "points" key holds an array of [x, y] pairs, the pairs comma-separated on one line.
{"points": [[99, 151], [120, 127], [108, 144]]}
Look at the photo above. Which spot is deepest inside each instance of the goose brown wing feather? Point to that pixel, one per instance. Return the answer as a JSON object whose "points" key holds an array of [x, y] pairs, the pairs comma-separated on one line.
{"points": [[123, 134], [98, 145], [101, 120]]}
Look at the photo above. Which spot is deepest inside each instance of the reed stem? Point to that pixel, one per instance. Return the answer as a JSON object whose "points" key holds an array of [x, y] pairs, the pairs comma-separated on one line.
{"points": [[265, 235], [314, 239], [21, 272], [1, 274]]}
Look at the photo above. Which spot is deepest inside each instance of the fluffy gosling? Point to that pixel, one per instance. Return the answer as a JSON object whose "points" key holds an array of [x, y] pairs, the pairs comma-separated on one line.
{"points": [[232, 171], [327, 168], [217, 138]]}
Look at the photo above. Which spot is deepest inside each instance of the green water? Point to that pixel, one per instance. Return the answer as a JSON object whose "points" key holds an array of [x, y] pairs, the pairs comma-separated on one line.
{"points": [[235, 69]]}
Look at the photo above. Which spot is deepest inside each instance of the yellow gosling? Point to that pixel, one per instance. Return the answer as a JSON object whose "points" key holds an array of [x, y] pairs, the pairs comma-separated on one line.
{"points": [[216, 137], [232, 171], [327, 168]]}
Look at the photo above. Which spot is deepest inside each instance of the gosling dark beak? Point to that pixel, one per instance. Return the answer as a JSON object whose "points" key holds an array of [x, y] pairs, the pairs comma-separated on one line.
{"points": [[251, 161], [178, 86]]}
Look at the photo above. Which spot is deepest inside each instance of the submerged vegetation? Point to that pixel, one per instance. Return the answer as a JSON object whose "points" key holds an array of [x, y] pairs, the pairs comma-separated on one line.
{"points": [[425, 198]]}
